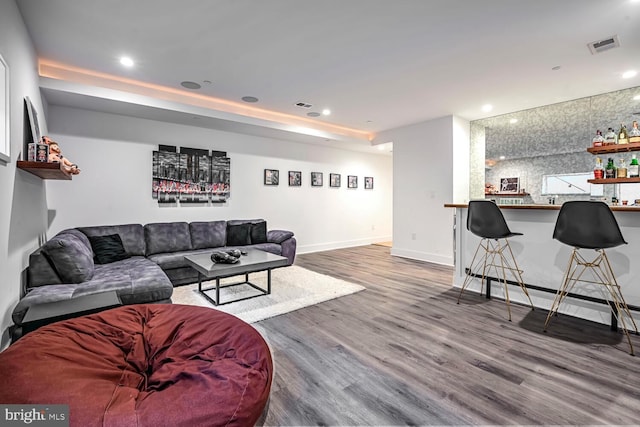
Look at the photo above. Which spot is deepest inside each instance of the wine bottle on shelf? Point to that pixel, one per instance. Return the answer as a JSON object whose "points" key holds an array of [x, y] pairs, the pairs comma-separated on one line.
{"points": [[623, 135], [634, 133], [598, 171], [633, 167], [610, 137], [621, 172], [598, 140], [610, 170]]}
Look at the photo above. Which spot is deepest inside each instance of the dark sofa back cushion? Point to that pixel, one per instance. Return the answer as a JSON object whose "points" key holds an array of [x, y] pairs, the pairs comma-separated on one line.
{"points": [[70, 257], [210, 234], [132, 236], [162, 237]]}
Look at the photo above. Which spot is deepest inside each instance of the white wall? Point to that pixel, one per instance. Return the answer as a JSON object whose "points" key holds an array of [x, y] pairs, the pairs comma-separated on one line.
{"points": [[423, 181], [22, 201], [114, 154]]}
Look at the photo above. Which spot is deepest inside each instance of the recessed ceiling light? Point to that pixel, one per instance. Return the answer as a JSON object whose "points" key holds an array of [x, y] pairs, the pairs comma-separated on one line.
{"points": [[512, 121], [249, 99], [629, 74], [326, 112], [487, 107], [126, 61], [502, 157], [313, 114], [190, 85], [637, 97]]}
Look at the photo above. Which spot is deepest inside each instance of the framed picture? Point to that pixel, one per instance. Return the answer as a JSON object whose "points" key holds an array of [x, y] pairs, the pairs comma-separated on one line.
{"points": [[316, 179], [334, 180], [509, 185], [271, 177], [368, 183], [33, 120], [5, 142], [352, 181], [295, 178]]}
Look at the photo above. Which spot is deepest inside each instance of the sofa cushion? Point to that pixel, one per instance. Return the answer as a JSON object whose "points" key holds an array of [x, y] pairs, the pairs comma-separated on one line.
{"points": [[210, 234], [107, 249], [278, 236], [132, 236], [71, 258], [258, 232], [238, 234], [164, 237]]}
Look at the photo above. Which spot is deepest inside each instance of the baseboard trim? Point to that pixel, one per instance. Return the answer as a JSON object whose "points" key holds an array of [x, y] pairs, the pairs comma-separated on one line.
{"points": [[423, 256], [307, 249]]}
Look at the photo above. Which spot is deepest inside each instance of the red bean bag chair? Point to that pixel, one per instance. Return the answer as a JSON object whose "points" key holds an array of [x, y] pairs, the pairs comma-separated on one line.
{"points": [[143, 365]]}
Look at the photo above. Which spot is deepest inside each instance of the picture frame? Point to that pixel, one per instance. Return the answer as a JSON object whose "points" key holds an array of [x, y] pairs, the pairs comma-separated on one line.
{"points": [[334, 180], [509, 185], [271, 177], [352, 181], [33, 121], [316, 179], [5, 112], [295, 178], [368, 183]]}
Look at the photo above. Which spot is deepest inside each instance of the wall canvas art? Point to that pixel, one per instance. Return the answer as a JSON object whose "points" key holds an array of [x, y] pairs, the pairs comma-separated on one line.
{"points": [[509, 185], [271, 177], [334, 180], [316, 179], [295, 178], [5, 121], [368, 183], [190, 176]]}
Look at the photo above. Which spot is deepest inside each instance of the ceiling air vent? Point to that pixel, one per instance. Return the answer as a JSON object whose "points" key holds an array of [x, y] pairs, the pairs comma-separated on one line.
{"points": [[602, 45], [303, 105]]}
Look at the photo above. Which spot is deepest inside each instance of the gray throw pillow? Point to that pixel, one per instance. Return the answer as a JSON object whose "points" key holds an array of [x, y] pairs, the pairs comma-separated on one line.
{"points": [[70, 257]]}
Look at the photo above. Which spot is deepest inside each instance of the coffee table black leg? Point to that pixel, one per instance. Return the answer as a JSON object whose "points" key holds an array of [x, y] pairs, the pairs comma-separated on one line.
{"points": [[268, 281], [204, 294]]}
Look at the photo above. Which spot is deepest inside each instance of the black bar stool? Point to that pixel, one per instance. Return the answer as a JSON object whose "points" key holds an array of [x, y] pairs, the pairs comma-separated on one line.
{"points": [[485, 219], [590, 225]]}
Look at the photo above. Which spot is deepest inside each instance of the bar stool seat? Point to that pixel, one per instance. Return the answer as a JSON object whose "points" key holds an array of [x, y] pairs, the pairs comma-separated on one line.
{"points": [[591, 225], [485, 220]]}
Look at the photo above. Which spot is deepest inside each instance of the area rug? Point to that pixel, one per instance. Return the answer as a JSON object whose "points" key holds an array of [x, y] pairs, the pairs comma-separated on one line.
{"points": [[292, 288]]}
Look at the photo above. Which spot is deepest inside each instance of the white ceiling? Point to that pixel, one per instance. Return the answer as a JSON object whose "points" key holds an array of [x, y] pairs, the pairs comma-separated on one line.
{"points": [[377, 64]]}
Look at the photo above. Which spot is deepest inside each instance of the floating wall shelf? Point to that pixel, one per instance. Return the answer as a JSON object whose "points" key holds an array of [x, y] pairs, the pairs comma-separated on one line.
{"points": [[44, 170]]}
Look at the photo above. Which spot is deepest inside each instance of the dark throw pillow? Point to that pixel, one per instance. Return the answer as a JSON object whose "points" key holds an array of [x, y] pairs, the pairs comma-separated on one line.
{"points": [[259, 232], [108, 249], [238, 235]]}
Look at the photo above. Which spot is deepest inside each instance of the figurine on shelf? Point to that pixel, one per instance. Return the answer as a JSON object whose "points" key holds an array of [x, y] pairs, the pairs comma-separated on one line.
{"points": [[489, 188], [55, 156]]}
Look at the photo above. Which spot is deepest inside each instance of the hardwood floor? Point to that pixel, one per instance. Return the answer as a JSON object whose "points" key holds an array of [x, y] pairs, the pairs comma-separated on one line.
{"points": [[402, 352]]}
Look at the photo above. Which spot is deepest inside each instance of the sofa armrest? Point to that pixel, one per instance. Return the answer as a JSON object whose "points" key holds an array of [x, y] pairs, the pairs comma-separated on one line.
{"points": [[278, 236]]}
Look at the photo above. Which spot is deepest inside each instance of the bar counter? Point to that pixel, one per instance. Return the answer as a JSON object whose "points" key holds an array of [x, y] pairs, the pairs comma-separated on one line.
{"points": [[544, 260]]}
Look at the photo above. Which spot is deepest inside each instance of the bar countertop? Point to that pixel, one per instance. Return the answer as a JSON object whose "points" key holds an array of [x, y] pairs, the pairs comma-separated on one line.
{"points": [[543, 207]]}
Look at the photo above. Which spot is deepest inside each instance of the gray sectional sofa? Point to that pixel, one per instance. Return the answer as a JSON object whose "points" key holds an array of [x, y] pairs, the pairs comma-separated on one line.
{"points": [[141, 263]]}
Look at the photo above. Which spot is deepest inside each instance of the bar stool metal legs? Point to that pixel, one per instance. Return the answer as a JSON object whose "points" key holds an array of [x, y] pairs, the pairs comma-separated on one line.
{"points": [[602, 275], [498, 257]]}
